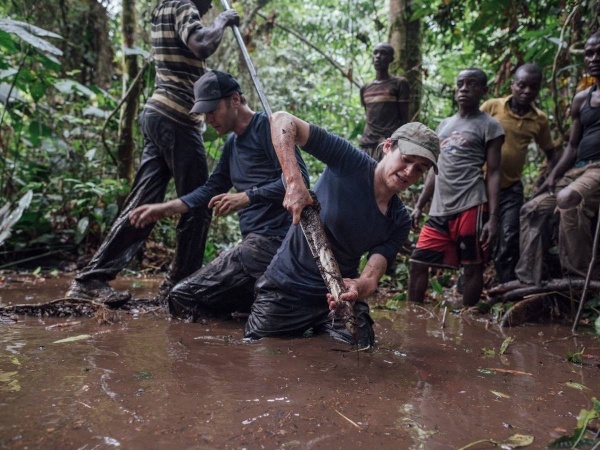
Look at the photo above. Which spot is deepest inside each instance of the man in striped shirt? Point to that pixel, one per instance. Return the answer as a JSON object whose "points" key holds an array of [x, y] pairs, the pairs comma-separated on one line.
{"points": [[173, 147], [385, 100]]}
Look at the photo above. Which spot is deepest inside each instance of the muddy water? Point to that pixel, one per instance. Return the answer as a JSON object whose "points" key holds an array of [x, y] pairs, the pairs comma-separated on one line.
{"points": [[147, 382]]}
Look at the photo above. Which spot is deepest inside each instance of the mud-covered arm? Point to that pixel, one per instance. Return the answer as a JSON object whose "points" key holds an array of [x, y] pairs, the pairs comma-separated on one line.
{"points": [[287, 131], [204, 41], [274, 192]]}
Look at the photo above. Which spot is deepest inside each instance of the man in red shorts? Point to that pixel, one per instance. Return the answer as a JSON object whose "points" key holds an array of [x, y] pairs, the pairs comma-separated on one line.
{"points": [[463, 217]]}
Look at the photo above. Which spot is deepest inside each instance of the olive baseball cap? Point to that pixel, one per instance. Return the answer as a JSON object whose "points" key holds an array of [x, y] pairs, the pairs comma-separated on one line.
{"points": [[414, 138], [210, 88]]}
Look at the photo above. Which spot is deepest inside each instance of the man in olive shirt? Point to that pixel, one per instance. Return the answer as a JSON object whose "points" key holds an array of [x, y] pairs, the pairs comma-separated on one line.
{"points": [[523, 123]]}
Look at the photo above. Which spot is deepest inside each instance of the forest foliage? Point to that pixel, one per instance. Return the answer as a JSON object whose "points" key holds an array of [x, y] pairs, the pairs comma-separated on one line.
{"points": [[61, 69]]}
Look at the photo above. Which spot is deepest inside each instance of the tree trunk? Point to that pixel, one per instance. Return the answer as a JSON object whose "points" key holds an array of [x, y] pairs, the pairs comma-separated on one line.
{"points": [[125, 146], [405, 37]]}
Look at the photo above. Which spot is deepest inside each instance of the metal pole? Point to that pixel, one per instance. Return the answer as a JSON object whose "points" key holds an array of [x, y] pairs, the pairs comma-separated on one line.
{"points": [[310, 221], [249, 65]]}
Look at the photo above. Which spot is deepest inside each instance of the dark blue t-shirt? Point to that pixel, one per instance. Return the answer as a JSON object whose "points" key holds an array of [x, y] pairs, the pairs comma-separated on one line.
{"points": [[249, 164], [351, 218]]}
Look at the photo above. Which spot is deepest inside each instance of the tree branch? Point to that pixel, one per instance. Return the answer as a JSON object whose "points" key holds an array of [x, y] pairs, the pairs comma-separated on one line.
{"points": [[559, 121], [118, 108], [346, 74]]}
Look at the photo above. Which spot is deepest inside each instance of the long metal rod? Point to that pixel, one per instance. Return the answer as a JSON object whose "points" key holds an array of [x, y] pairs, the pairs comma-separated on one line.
{"points": [[249, 65], [588, 276], [310, 221]]}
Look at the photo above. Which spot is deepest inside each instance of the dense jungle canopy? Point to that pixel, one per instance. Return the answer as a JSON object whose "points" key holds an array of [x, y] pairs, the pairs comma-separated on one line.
{"points": [[74, 74]]}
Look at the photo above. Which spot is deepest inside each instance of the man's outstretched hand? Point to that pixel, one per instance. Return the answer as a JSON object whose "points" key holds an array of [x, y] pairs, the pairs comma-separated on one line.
{"points": [[144, 215], [224, 204]]}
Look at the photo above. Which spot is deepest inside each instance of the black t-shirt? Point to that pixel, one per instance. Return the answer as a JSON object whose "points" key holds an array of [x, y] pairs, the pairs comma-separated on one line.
{"points": [[589, 146], [249, 164]]}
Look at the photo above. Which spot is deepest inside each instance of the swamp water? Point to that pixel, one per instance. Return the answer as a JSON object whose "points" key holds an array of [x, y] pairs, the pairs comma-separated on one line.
{"points": [[148, 382]]}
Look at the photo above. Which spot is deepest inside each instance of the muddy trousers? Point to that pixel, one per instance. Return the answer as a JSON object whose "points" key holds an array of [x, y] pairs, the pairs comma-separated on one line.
{"points": [[506, 250], [576, 233], [538, 218], [226, 284], [539, 215], [277, 313], [170, 150]]}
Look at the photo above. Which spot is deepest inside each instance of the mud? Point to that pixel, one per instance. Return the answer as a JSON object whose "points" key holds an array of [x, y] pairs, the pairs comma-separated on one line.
{"points": [[147, 382]]}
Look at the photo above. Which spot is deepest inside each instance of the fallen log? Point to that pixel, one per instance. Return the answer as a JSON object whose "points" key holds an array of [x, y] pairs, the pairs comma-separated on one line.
{"points": [[515, 291], [60, 307], [528, 310], [505, 287], [104, 311]]}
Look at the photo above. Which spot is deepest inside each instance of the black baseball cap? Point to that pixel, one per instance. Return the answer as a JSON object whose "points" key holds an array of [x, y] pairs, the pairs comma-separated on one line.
{"points": [[212, 87]]}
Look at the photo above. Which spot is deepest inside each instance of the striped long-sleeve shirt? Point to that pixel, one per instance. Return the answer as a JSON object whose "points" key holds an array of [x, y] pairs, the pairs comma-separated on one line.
{"points": [[177, 68]]}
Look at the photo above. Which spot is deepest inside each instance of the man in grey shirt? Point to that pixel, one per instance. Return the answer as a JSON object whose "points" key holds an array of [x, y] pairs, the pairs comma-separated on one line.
{"points": [[463, 199]]}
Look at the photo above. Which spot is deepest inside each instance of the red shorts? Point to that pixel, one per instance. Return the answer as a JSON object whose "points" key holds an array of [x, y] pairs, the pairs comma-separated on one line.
{"points": [[452, 241]]}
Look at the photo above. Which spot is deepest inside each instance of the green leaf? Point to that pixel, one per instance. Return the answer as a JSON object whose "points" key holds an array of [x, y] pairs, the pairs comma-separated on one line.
{"points": [[15, 94], [518, 440], [7, 42], [500, 394], [135, 51], [576, 357], [30, 28], [558, 42], [79, 337], [505, 344], [563, 442], [586, 416], [67, 86], [210, 135], [488, 351], [8, 73], [110, 212], [577, 386], [89, 155], [30, 34], [82, 227], [436, 286], [95, 112], [37, 131]]}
